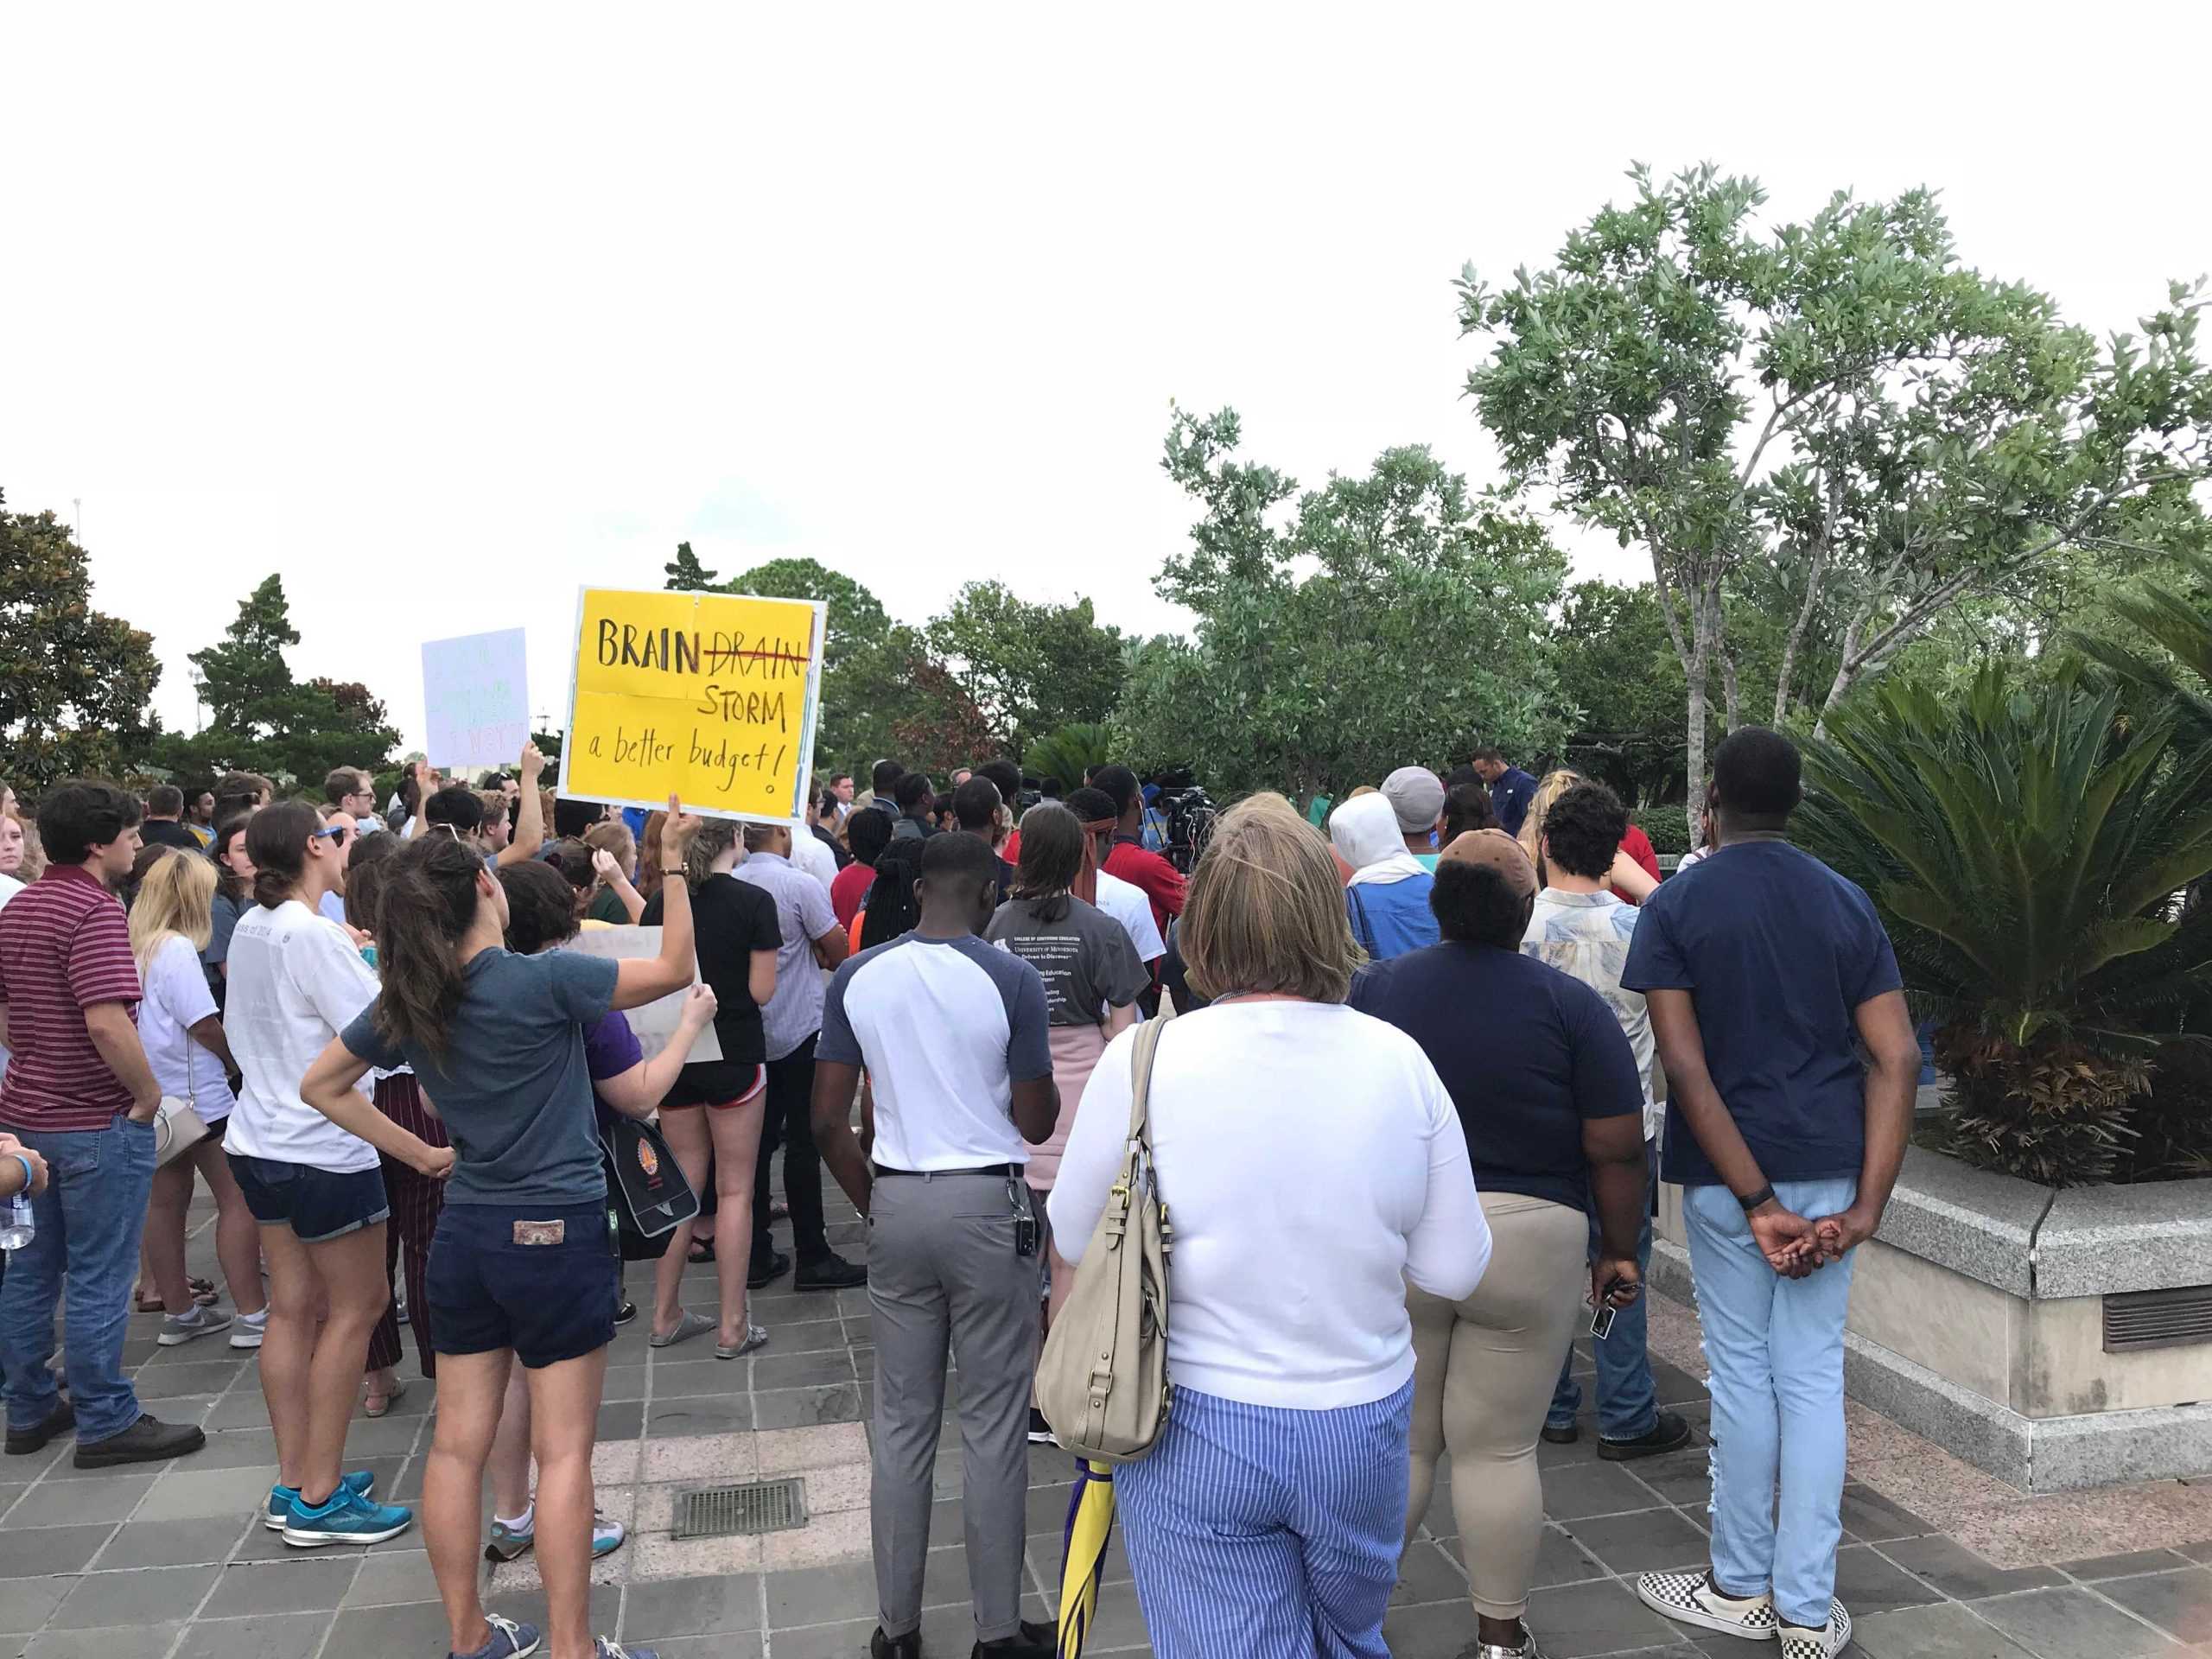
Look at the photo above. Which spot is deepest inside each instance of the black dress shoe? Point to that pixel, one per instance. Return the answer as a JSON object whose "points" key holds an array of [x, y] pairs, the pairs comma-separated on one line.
{"points": [[22, 1442], [1567, 1436], [760, 1273], [1035, 1642], [1670, 1433], [832, 1271], [908, 1646], [147, 1440]]}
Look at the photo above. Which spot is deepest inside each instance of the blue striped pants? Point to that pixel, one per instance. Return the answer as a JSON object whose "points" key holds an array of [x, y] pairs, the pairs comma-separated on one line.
{"points": [[1268, 1533]]}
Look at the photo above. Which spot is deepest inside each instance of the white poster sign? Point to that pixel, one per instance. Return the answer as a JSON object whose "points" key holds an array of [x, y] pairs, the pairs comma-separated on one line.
{"points": [[654, 1024], [476, 699]]}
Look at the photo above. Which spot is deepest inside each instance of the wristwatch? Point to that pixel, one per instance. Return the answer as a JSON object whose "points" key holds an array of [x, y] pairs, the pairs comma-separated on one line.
{"points": [[1752, 1201]]}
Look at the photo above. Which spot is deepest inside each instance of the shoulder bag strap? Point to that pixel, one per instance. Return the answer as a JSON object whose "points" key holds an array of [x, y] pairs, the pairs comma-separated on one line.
{"points": [[1140, 1080]]}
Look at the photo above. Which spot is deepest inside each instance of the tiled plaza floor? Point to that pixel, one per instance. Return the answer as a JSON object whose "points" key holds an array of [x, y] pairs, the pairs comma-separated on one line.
{"points": [[1938, 1561]]}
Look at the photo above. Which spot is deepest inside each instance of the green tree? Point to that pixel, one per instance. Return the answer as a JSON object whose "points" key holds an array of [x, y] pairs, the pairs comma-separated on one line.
{"points": [[74, 682], [1839, 397], [1028, 667], [1618, 673], [260, 719], [867, 660], [685, 573], [1392, 618]]}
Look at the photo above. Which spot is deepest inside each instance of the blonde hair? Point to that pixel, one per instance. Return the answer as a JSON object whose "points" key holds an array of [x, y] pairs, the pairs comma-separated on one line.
{"points": [[34, 864], [1556, 784], [1266, 911], [176, 897]]}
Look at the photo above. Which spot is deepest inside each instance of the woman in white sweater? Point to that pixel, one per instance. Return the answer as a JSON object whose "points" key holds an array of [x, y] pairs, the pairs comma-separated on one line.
{"points": [[1314, 1167]]}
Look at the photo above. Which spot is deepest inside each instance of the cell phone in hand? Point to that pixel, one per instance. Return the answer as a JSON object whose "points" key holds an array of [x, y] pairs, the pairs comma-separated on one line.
{"points": [[1601, 1321]]}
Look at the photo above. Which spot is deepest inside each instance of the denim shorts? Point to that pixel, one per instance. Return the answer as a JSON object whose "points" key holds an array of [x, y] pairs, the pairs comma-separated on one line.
{"points": [[317, 1204], [549, 1301]]}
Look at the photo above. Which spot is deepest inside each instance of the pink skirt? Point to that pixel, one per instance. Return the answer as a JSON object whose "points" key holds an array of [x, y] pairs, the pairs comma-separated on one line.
{"points": [[1075, 1050]]}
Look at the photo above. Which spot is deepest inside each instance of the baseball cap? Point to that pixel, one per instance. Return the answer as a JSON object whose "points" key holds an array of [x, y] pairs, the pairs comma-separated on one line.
{"points": [[1416, 795]]}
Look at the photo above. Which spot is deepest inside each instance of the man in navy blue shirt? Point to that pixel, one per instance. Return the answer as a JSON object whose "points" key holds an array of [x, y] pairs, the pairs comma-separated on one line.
{"points": [[1764, 971], [1510, 788]]}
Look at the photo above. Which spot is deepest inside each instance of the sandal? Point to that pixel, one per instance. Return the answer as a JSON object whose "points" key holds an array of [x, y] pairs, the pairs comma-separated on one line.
{"points": [[691, 1325], [702, 1249], [371, 1408], [203, 1295], [754, 1338]]}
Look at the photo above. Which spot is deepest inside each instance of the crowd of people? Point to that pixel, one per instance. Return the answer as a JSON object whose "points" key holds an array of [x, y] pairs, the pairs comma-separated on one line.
{"points": [[1455, 1036]]}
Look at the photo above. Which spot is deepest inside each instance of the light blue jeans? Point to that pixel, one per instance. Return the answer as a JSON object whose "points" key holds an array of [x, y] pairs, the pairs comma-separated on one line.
{"points": [[1628, 1399], [1775, 1348], [85, 1255]]}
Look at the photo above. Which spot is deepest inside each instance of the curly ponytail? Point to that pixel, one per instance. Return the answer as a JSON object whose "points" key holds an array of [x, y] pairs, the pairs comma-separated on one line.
{"points": [[427, 902]]}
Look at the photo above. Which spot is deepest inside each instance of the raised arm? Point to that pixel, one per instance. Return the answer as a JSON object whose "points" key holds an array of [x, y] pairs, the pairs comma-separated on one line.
{"points": [[636, 983], [529, 818], [635, 1093], [610, 871]]}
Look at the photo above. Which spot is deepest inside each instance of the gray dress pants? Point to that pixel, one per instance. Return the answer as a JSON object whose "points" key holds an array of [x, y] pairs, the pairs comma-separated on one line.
{"points": [[942, 1268]]}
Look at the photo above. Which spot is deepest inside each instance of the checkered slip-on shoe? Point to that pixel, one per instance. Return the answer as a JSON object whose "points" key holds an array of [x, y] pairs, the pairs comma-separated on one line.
{"points": [[1690, 1598], [1800, 1643]]}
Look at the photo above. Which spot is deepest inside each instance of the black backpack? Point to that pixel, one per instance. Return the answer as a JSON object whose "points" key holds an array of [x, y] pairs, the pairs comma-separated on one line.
{"points": [[646, 1193]]}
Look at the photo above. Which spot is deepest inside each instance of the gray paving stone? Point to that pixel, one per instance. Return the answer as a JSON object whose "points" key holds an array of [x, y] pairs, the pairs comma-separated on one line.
{"points": [[27, 1604], [40, 1552], [237, 1447], [804, 1407], [278, 1636], [771, 1369], [1959, 1574], [390, 1578], [169, 1543], [1425, 1573], [727, 1647], [692, 1607], [2121, 1566], [1647, 1540], [302, 1585], [2071, 1624], [697, 1379], [388, 1632], [1588, 1488], [2178, 1603], [1945, 1630], [1868, 1515], [74, 1503], [139, 1598], [125, 1641], [1583, 1619], [1869, 1582], [184, 1492]]}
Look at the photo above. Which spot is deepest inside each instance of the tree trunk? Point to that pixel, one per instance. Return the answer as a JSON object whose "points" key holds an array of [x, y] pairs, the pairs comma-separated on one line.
{"points": [[1696, 668]]}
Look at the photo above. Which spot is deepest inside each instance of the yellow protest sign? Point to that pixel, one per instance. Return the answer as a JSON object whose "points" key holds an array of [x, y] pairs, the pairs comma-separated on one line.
{"points": [[712, 696]]}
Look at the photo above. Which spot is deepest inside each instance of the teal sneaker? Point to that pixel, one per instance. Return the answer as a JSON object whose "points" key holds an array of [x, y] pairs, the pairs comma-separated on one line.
{"points": [[362, 1482], [349, 1518], [508, 1544]]}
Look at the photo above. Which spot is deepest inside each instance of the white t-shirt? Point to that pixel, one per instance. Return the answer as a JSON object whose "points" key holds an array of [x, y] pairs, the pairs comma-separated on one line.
{"points": [[1296, 1300], [296, 982], [177, 999], [1126, 903], [809, 855]]}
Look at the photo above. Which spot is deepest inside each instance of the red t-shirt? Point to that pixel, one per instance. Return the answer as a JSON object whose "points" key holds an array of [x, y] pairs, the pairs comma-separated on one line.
{"points": [[1161, 881], [64, 947], [1637, 845], [850, 887]]}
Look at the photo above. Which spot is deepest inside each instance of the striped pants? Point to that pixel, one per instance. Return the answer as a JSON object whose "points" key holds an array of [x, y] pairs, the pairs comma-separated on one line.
{"points": [[416, 1201], [1268, 1533]]}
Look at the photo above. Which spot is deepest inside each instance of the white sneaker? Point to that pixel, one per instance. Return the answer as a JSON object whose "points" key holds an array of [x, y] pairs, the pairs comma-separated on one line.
{"points": [[1800, 1643], [194, 1322], [247, 1330], [1691, 1598]]}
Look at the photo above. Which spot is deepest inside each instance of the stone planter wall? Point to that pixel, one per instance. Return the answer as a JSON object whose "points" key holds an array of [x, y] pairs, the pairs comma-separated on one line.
{"points": [[1977, 1320]]}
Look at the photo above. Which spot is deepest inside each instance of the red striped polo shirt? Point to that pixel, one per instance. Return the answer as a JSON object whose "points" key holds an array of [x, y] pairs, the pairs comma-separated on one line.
{"points": [[64, 946]]}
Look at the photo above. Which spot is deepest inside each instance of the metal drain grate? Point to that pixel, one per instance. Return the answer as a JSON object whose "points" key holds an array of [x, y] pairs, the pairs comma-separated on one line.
{"points": [[740, 1511], [2158, 1318]]}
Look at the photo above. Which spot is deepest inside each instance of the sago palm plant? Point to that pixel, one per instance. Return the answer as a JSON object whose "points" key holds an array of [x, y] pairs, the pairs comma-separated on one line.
{"points": [[2023, 843]]}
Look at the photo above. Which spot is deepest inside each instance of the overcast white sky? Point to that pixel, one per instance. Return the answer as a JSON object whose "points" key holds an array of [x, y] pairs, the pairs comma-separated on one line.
{"points": [[444, 310]]}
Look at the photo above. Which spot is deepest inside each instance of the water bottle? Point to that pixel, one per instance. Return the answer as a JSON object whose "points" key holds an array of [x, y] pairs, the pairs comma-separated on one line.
{"points": [[16, 1227]]}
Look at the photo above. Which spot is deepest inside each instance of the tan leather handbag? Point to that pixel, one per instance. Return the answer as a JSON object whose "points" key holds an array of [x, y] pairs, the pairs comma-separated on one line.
{"points": [[1103, 1381]]}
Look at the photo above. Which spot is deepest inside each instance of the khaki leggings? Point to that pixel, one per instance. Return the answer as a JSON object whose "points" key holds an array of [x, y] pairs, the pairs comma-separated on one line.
{"points": [[1483, 1372]]}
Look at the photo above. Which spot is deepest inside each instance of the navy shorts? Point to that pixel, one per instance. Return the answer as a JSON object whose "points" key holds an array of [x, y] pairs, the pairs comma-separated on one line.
{"points": [[315, 1203], [548, 1301]]}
